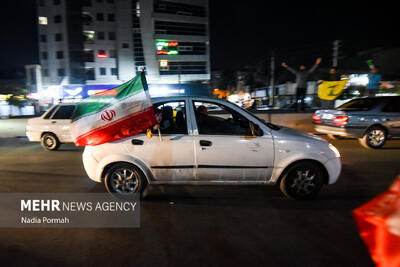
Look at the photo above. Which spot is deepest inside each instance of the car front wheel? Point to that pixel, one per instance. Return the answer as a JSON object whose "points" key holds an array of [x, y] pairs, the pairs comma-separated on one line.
{"points": [[374, 137], [125, 179], [50, 142], [303, 180]]}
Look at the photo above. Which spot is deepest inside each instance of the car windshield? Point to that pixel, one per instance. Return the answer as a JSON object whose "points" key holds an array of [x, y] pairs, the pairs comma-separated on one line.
{"points": [[359, 104]]}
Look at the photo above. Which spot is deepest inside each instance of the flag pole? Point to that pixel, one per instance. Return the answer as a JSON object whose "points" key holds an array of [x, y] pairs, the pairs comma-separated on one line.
{"points": [[159, 132]]}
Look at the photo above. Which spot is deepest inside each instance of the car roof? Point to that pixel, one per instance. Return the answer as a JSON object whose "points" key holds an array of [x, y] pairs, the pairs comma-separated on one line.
{"points": [[167, 98]]}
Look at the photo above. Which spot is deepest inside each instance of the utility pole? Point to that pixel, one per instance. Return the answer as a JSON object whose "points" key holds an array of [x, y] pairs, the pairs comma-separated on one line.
{"points": [[271, 80], [335, 58]]}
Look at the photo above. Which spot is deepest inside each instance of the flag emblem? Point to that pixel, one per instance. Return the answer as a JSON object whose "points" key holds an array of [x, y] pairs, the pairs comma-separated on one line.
{"points": [[108, 115]]}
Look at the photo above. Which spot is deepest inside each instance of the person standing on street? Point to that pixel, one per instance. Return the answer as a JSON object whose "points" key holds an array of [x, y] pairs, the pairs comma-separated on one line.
{"points": [[374, 80], [301, 81]]}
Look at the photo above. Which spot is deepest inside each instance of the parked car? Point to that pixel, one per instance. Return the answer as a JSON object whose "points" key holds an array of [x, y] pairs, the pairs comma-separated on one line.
{"points": [[52, 128], [211, 141], [372, 120]]}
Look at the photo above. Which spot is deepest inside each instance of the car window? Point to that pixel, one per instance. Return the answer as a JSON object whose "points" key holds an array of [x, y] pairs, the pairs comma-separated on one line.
{"points": [[64, 112], [218, 119], [359, 104], [172, 116], [50, 113], [392, 106]]}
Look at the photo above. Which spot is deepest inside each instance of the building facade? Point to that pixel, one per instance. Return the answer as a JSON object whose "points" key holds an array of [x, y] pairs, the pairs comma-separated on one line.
{"points": [[102, 43]]}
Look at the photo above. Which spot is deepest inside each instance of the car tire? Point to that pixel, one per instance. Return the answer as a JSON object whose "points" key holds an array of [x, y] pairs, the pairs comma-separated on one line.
{"points": [[50, 142], [124, 179], [303, 181], [375, 137]]}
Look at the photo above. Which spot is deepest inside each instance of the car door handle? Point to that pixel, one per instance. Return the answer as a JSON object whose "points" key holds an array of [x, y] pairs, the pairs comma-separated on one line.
{"points": [[137, 142], [205, 143], [53, 122]]}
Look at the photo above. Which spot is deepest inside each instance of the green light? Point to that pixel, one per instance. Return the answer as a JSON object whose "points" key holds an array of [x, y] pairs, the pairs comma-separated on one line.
{"points": [[173, 52], [162, 43]]}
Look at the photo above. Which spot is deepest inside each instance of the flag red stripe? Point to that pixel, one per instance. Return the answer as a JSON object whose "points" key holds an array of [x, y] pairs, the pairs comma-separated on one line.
{"points": [[125, 127]]}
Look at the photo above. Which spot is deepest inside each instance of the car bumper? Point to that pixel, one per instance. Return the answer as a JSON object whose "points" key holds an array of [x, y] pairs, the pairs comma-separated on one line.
{"points": [[334, 168], [33, 136], [341, 131], [90, 164]]}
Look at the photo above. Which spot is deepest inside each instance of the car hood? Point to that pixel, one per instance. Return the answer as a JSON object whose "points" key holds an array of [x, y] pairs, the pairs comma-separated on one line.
{"points": [[294, 133]]}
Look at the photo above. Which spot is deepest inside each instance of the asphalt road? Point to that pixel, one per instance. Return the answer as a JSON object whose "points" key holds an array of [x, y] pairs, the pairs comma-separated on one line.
{"points": [[198, 226]]}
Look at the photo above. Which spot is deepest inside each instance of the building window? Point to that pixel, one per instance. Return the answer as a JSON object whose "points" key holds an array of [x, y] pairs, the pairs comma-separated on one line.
{"points": [[89, 73], [87, 18], [114, 71], [61, 72], [87, 3], [42, 20], [43, 38], [179, 28], [45, 72], [88, 55], [57, 19], [111, 36], [100, 36], [111, 17], [99, 16], [125, 45], [44, 55], [112, 54], [56, 2], [102, 71], [60, 54], [58, 37]]}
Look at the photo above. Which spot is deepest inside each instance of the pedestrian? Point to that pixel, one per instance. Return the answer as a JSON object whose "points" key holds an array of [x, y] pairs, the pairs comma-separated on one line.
{"points": [[333, 75], [374, 80], [301, 81]]}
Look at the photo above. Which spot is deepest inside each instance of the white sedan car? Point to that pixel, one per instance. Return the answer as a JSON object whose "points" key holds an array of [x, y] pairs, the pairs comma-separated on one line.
{"points": [[52, 128], [211, 141]]}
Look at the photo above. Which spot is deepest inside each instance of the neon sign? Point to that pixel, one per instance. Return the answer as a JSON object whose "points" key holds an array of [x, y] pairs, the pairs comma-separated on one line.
{"points": [[165, 47]]}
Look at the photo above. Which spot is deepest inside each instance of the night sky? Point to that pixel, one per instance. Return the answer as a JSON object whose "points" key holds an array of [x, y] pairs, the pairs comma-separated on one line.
{"points": [[241, 33]]}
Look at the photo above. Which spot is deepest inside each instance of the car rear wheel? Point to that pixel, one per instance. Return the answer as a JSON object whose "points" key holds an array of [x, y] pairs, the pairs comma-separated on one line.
{"points": [[50, 142], [303, 180], [374, 137], [125, 179]]}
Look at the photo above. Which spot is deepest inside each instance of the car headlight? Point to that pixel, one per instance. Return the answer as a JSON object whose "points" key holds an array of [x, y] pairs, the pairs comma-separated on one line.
{"points": [[335, 150]]}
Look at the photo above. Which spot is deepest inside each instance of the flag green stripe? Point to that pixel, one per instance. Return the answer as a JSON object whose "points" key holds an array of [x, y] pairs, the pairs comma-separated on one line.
{"points": [[94, 104]]}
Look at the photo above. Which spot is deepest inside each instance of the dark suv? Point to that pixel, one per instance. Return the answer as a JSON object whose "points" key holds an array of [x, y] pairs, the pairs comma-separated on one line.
{"points": [[372, 120]]}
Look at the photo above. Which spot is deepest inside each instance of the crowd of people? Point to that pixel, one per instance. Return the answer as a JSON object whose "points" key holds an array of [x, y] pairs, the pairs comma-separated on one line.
{"points": [[302, 75]]}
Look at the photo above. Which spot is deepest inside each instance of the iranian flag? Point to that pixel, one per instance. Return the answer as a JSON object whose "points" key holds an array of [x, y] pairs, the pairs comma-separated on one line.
{"points": [[114, 114]]}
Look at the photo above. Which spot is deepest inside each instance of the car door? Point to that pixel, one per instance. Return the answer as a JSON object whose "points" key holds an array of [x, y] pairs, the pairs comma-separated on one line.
{"points": [[171, 154], [60, 122], [391, 116], [225, 151]]}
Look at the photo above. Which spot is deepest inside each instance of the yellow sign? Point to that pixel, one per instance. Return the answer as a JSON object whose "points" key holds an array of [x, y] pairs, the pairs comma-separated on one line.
{"points": [[330, 90]]}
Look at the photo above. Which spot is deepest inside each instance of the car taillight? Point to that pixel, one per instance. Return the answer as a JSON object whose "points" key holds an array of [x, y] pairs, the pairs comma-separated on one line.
{"points": [[316, 118], [341, 120]]}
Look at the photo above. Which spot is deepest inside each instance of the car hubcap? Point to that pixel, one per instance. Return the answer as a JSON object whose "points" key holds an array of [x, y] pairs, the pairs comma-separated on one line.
{"points": [[49, 141], [376, 137], [124, 181], [303, 182]]}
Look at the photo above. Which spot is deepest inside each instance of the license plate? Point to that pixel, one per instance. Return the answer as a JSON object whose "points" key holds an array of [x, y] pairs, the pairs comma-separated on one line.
{"points": [[327, 116]]}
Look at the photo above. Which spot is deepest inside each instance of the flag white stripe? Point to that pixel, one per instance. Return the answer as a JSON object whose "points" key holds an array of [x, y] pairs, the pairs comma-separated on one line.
{"points": [[126, 107]]}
